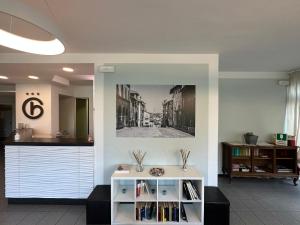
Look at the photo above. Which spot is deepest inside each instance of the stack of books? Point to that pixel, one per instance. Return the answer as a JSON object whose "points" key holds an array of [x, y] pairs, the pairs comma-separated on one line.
{"points": [[168, 212], [145, 211], [142, 187], [190, 191]]}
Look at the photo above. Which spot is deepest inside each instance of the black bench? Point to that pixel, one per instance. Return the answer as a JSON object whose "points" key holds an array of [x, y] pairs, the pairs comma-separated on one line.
{"points": [[98, 205], [216, 207]]}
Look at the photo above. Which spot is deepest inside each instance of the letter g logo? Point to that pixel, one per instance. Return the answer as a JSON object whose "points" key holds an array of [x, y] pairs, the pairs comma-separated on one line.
{"points": [[33, 108]]}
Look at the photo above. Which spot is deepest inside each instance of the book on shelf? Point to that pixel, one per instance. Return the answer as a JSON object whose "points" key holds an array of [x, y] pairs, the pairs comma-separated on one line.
{"points": [[122, 169], [183, 213], [168, 212], [145, 211], [240, 151], [142, 187], [190, 190], [283, 169]]}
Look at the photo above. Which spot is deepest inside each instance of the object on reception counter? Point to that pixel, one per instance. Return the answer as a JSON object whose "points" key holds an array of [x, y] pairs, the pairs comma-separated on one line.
{"points": [[58, 134], [63, 134], [17, 136], [23, 134], [90, 138]]}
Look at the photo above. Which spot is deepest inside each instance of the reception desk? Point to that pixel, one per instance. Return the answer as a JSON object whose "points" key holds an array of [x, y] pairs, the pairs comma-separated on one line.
{"points": [[49, 168]]}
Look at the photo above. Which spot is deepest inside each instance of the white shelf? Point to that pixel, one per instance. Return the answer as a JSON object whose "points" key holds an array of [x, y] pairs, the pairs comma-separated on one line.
{"points": [[128, 196], [125, 213], [193, 214], [152, 221], [172, 194], [171, 172], [184, 200], [146, 197], [169, 223]]}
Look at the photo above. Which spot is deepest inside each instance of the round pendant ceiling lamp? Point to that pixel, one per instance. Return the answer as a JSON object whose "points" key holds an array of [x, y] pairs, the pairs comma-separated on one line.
{"points": [[18, 15]]}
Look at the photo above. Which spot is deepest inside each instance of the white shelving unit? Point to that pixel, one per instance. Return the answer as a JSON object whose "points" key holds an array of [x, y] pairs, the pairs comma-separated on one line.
{"points": [[165, 189]]}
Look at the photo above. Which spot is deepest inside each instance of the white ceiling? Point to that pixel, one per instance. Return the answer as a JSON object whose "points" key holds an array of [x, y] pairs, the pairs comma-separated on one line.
{"points": [[18, 72], [256, 35]]}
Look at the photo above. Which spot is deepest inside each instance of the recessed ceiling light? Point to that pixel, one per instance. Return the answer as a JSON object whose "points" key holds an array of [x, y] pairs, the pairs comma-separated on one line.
{"points": [[33, 77], [4, 77], [68, 69]]}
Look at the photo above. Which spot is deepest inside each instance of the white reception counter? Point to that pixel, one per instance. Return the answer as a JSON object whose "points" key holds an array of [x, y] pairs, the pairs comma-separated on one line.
{"points": [[47, 171]]}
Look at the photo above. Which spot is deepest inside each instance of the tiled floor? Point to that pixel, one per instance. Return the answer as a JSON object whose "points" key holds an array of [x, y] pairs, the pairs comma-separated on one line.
{"points": [[262, 202], [253, 202]]}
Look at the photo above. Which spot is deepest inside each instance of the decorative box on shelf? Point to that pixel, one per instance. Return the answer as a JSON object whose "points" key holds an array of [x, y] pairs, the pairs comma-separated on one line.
{"points": [[281, 139], [174, 198]]}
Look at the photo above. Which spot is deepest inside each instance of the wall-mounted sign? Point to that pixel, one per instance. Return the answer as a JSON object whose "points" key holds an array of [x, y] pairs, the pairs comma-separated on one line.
{"points": [[34, 110]]}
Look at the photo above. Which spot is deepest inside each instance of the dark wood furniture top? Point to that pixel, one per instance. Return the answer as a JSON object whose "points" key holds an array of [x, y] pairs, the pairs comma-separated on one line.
{"points": [[49, 142]]}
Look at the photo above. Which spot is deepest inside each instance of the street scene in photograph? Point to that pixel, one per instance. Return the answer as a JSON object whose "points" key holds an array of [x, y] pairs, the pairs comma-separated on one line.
{"points": [[155, 111]]}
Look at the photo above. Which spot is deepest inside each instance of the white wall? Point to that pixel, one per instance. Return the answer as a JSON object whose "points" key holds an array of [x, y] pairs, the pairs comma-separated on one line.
{"points": [[99, 59], [160, 151], [250, 105]]}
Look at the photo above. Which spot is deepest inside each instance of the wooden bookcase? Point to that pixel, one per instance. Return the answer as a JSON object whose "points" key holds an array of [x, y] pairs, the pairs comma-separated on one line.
{"points": [[241, 160], [124, 204]]}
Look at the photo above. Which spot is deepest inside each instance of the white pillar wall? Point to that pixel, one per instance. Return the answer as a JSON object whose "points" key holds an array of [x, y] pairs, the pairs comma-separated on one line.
{"points": [[100, 59]]}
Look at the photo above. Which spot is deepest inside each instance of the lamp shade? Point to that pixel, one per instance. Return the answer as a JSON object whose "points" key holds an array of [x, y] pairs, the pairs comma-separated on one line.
{"points": [[11, 38]]}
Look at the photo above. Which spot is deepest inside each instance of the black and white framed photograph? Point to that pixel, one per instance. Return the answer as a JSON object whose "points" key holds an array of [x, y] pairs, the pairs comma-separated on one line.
{"points": [[163, 111]]}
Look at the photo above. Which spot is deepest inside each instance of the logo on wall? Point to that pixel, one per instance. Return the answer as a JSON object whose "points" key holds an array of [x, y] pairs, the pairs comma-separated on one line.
{"points": [[35, 109]]}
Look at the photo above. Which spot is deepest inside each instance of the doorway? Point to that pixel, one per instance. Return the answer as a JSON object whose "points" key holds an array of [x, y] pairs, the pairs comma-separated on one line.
{"points": [[82, 117], [6, 117]]}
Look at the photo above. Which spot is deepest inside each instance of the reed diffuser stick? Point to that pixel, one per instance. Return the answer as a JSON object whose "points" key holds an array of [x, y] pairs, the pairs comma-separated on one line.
{"points": [[184, 155], [139, 157]]}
